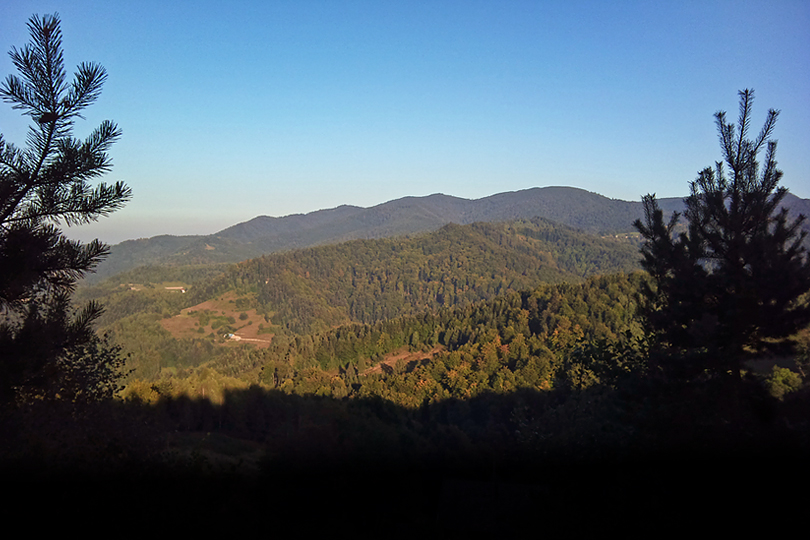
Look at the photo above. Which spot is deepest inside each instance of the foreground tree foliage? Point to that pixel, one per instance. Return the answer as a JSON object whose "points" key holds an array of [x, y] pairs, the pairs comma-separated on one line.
{"points": [[732, 281], [45, 348]]}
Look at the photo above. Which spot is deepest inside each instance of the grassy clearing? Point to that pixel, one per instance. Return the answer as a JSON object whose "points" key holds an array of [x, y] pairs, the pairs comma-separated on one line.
{"points": [[224, 316]]}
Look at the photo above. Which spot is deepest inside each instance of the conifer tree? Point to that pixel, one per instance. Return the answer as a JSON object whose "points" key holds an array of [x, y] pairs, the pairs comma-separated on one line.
{"points": [[45, 348], [730, 282]]}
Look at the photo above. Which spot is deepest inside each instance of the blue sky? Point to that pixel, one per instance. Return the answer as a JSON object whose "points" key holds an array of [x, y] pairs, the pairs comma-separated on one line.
{"points": [[231, 110]]}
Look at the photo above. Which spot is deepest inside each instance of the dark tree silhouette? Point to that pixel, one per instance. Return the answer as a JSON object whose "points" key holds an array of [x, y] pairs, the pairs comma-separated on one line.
{"points": [[45, 348], [730, 282]]}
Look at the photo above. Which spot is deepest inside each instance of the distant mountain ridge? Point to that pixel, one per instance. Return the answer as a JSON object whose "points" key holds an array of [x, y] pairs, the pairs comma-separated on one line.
{"points": [[570, 206]]}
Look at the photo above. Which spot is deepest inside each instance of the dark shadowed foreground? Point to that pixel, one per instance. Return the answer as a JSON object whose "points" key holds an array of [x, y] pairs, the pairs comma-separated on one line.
{"points": [[640, 458]]}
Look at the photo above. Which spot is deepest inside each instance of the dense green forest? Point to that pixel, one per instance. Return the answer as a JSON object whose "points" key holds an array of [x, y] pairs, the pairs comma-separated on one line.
{"points": [[307, 292], [503, 365], [473, 337], [372, 280], [502, 344], [466, 310]]}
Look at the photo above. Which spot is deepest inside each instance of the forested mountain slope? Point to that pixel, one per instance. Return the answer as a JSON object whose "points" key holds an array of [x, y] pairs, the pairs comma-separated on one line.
{"points": [[361, 281], [372, 280], [574, 207], [410, 215]]}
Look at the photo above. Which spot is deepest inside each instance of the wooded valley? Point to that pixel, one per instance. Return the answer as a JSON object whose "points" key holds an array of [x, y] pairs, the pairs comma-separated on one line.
{"points": [[547, 361], [512, 349]]}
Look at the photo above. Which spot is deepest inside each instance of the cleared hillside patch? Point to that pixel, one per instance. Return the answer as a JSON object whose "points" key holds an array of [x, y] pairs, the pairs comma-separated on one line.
{"points": [[229, 319]]}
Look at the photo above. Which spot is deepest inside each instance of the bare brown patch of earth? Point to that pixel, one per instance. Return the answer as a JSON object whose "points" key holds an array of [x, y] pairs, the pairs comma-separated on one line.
{"points": [[187, 323], [410, 359]]}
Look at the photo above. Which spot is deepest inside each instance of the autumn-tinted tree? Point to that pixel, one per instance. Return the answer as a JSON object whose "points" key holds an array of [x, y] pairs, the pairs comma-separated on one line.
{"points": [[729, 283], [45, 348]]}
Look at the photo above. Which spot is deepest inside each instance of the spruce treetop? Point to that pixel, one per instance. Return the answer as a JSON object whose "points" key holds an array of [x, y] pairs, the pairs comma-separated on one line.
{"points": [[731, 282]]}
